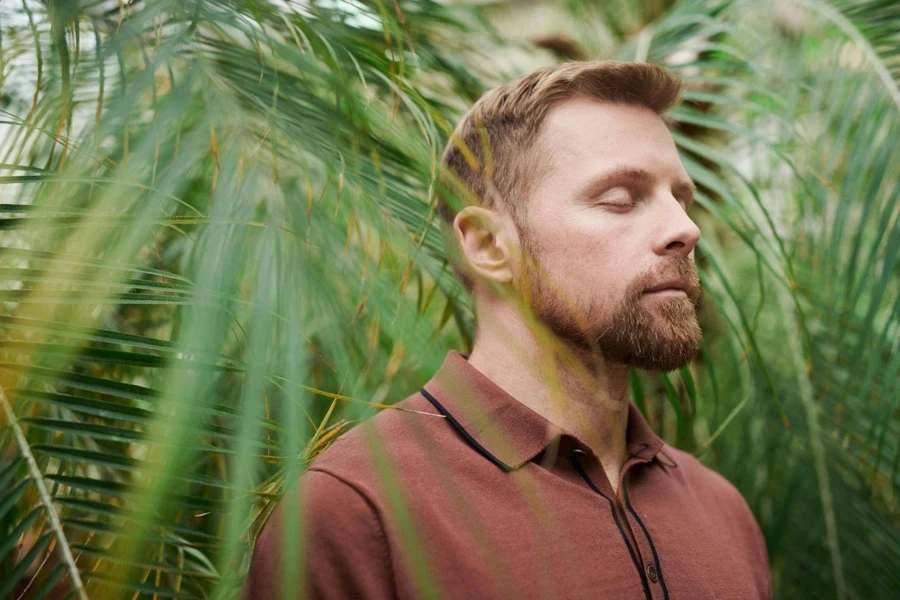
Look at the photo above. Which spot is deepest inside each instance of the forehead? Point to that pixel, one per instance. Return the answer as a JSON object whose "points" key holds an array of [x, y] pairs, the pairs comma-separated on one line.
{"points": [[585, 136]]}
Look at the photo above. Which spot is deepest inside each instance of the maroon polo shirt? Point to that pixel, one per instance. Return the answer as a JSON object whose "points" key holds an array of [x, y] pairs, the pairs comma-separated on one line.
{"points": [[467, 493]]}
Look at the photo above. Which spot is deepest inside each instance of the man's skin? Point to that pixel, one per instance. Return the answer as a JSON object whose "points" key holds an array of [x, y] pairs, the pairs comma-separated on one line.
{"points": [[597, 248]]}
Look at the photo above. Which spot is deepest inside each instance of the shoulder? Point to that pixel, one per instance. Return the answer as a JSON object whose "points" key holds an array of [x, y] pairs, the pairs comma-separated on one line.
{"points": [[334, 524], [716, 493], [392, 438], [719, 496], [704, 480], [346, 507], [341, 510]]}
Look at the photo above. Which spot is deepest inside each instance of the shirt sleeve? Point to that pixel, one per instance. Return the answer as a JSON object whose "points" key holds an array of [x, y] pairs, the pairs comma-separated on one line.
{"points": [[344, 543]]}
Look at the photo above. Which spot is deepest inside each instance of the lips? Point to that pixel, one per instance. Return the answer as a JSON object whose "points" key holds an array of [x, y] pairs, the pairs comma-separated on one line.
{"points": [[671, 285]]}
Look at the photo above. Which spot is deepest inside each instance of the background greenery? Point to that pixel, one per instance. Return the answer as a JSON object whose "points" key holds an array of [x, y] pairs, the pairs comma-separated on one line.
{"points": [[218, 251]]}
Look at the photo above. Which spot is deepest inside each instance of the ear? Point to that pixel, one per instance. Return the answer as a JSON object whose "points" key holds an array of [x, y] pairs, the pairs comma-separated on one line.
{"points": [[484, 240]]}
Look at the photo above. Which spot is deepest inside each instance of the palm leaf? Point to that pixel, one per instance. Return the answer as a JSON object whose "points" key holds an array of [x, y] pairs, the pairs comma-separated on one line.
{"points": [[218, 249]]}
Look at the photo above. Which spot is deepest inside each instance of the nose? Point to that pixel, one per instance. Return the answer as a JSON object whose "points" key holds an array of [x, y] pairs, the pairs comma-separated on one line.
{"points": [[678, 234]]}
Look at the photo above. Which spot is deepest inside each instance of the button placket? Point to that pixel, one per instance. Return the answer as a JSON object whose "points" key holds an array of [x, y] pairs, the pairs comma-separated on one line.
{"points": [[618, 516], [652, 568]]}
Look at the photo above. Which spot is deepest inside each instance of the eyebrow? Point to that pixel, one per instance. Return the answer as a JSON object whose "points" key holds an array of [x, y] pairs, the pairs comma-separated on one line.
{"points": [[601, 182]]}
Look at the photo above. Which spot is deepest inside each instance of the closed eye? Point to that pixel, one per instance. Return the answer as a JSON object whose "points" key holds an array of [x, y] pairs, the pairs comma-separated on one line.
{"points": [[620, 197]]}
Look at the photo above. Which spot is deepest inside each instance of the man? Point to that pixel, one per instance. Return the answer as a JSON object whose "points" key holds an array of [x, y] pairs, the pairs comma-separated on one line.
{"points": [[522, 470]]}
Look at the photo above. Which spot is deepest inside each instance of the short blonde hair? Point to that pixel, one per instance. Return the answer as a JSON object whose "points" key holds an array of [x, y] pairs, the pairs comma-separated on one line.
{"points": [[495, 156]]}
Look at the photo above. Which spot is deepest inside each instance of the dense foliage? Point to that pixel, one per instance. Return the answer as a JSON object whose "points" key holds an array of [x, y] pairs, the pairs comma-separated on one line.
{"points": [[218, 250]]}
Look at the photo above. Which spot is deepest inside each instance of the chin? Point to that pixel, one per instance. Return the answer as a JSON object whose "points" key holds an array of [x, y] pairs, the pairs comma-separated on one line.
{"points": [[652, 350], [664, 364], [669, 356]]}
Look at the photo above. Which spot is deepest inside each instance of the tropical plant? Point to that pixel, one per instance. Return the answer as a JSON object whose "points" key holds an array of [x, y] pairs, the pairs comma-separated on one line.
{"points": [[219, 250]]}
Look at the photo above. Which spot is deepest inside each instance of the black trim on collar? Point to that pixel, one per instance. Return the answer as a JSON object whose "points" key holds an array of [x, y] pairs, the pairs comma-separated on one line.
{"points": [[481, 449]]}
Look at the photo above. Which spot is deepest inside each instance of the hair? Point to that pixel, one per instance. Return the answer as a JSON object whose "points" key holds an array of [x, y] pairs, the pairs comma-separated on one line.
{"points": [[496, 155]]}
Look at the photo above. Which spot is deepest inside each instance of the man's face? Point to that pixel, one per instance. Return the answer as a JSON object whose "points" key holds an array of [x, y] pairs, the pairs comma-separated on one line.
{"points": [[607, 223]]}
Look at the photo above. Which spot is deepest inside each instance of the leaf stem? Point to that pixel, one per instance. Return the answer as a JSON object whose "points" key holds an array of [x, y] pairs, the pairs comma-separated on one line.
{"points": [[46, 500]]}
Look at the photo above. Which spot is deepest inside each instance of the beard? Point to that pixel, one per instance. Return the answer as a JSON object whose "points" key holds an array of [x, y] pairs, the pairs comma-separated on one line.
{"points": [[657, 334]]}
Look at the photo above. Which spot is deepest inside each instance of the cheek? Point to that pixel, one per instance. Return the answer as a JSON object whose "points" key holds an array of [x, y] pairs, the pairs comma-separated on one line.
{"points": [[588, 257]]}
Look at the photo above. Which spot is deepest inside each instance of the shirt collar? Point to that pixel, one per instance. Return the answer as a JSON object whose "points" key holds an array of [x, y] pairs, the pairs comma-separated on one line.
{"points": [[503, 429]]}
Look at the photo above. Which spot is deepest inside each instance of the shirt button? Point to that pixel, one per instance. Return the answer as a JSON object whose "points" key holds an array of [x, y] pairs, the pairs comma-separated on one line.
{"points": [[651, 573]]}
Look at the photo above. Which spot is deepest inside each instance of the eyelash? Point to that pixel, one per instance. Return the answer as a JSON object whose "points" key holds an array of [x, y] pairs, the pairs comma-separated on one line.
{"points": [[630, 204], [635, 201]]}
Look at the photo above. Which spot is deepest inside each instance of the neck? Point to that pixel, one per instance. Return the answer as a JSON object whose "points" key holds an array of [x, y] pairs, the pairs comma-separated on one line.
{"points": [[580, 392]]}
